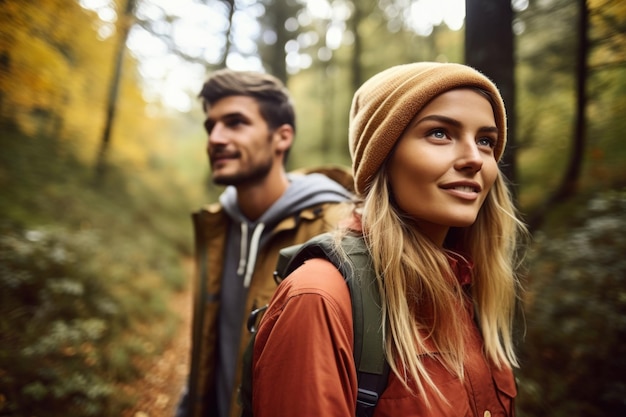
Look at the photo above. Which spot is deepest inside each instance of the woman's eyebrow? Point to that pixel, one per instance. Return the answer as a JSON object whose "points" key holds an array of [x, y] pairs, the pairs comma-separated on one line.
{"points": [[439, 118], [488, 129], [453, 122]]}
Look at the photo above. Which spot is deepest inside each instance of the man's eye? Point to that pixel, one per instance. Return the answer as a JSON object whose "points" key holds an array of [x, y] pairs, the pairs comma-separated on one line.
{"points": [[234, 122]]}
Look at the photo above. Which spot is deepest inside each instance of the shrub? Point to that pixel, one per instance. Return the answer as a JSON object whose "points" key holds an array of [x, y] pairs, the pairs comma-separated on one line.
{"points": [[574, 357], [65, 330]]}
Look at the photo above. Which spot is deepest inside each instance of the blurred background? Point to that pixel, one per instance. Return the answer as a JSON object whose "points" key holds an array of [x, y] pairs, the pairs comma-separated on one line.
{"points": [[102, 161]]}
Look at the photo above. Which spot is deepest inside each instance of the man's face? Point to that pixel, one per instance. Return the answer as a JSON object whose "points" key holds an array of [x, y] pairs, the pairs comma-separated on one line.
{"points": [[241, 148]]}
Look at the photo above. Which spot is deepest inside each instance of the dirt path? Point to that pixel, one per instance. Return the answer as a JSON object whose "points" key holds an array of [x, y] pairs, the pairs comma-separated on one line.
{"points": [[159, 391]]}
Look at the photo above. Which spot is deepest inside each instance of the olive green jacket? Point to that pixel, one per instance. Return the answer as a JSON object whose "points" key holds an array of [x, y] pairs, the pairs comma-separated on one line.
{"points": [[211, 225]]}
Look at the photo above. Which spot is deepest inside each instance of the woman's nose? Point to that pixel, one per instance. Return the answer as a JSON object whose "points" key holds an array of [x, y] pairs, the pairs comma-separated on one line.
{"points": [[469, 157]]}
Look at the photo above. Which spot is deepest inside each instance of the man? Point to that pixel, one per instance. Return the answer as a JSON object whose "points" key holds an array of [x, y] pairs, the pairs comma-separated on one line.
{"points": [[250, 122]]}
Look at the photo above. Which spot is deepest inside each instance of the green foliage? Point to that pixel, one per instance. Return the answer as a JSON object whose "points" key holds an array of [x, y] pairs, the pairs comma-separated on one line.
{"points": [[323, 92], [85, 275], [546, 101], [59, 319], [86, 269], [574, 358]]}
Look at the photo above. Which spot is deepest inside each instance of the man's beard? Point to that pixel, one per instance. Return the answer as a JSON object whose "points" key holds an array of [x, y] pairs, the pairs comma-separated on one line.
{"points": [[254, 175]]}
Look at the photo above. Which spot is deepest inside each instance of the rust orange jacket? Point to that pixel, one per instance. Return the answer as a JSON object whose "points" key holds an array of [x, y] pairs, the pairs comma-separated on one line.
{"points": [[303, 361]]}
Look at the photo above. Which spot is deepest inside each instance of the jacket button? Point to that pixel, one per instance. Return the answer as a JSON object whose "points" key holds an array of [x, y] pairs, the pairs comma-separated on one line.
{"points": [[487, 413]]}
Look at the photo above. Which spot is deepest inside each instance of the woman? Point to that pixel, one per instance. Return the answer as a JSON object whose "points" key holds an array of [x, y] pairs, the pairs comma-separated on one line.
{"points": [[441, 229]]}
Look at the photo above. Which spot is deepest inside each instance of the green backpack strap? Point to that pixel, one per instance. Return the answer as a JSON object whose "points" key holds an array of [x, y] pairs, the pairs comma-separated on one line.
{"points": [[369, 351], [369, 354]]}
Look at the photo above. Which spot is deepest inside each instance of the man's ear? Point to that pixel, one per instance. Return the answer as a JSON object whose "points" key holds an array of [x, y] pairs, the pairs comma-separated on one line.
{"points": [[284, 137]]}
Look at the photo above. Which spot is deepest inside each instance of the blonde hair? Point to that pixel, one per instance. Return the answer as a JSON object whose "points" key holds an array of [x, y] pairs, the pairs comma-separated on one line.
{"points": [[420, 306]]}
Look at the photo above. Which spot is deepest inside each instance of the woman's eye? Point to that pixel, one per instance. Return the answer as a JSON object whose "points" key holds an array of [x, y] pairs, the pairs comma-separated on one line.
{"points": [[490, 142], [438, 133]]}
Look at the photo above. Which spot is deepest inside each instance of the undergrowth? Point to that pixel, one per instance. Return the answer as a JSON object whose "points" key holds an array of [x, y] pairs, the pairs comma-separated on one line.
{"points": [[573, 357], [86, 271]]}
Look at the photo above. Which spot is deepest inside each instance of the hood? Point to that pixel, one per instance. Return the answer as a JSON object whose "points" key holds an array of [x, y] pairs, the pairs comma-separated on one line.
{"points": [[247, 237]]}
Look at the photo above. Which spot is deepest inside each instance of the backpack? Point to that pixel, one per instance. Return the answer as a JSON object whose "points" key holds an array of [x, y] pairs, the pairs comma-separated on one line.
{"points": [[369, 356]]}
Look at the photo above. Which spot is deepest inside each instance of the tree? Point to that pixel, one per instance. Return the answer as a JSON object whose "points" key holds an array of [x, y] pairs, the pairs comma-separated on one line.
{"points": [[355, 22], [114, 87], [489, 48], [574, 358], [569, 183], [230, 7], [280, 22], [38, 61]]}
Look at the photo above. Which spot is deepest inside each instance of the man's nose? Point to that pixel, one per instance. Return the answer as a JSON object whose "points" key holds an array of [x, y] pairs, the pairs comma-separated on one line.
{"points": [[218, 134]]}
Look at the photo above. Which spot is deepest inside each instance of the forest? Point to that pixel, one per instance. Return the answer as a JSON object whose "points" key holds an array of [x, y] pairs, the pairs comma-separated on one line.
{"points": [[100, 171]]}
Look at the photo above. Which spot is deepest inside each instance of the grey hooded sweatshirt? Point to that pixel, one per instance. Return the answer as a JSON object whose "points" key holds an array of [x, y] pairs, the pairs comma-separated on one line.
{"points": [[245, 239]]}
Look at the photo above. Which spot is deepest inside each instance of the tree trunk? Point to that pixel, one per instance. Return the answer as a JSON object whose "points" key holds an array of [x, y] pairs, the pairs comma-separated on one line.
{"points": [[572, 174], [274, 56], [355, 22], [571, 178], [328, 94], [124, 27], [230, 4], [489, 47]]}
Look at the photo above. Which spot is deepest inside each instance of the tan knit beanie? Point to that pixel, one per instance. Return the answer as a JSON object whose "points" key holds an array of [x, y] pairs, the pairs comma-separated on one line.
{"points": [[385, 104]]}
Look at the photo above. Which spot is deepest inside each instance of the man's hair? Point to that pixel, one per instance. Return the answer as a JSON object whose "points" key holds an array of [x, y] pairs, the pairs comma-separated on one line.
{"points": [[273, 98]]}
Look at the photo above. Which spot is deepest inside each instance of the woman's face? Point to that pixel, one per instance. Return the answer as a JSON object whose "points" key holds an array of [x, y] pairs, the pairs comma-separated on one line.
{"points": [[443, 165]]}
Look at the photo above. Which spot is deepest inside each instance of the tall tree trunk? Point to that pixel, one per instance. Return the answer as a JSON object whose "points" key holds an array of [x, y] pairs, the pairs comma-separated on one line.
{"points": [[571, 178], [274, 56], [355, 22], [327, 85], [5, 68], [230, 4], [278, 66], [124, 28], [489, 47]]}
